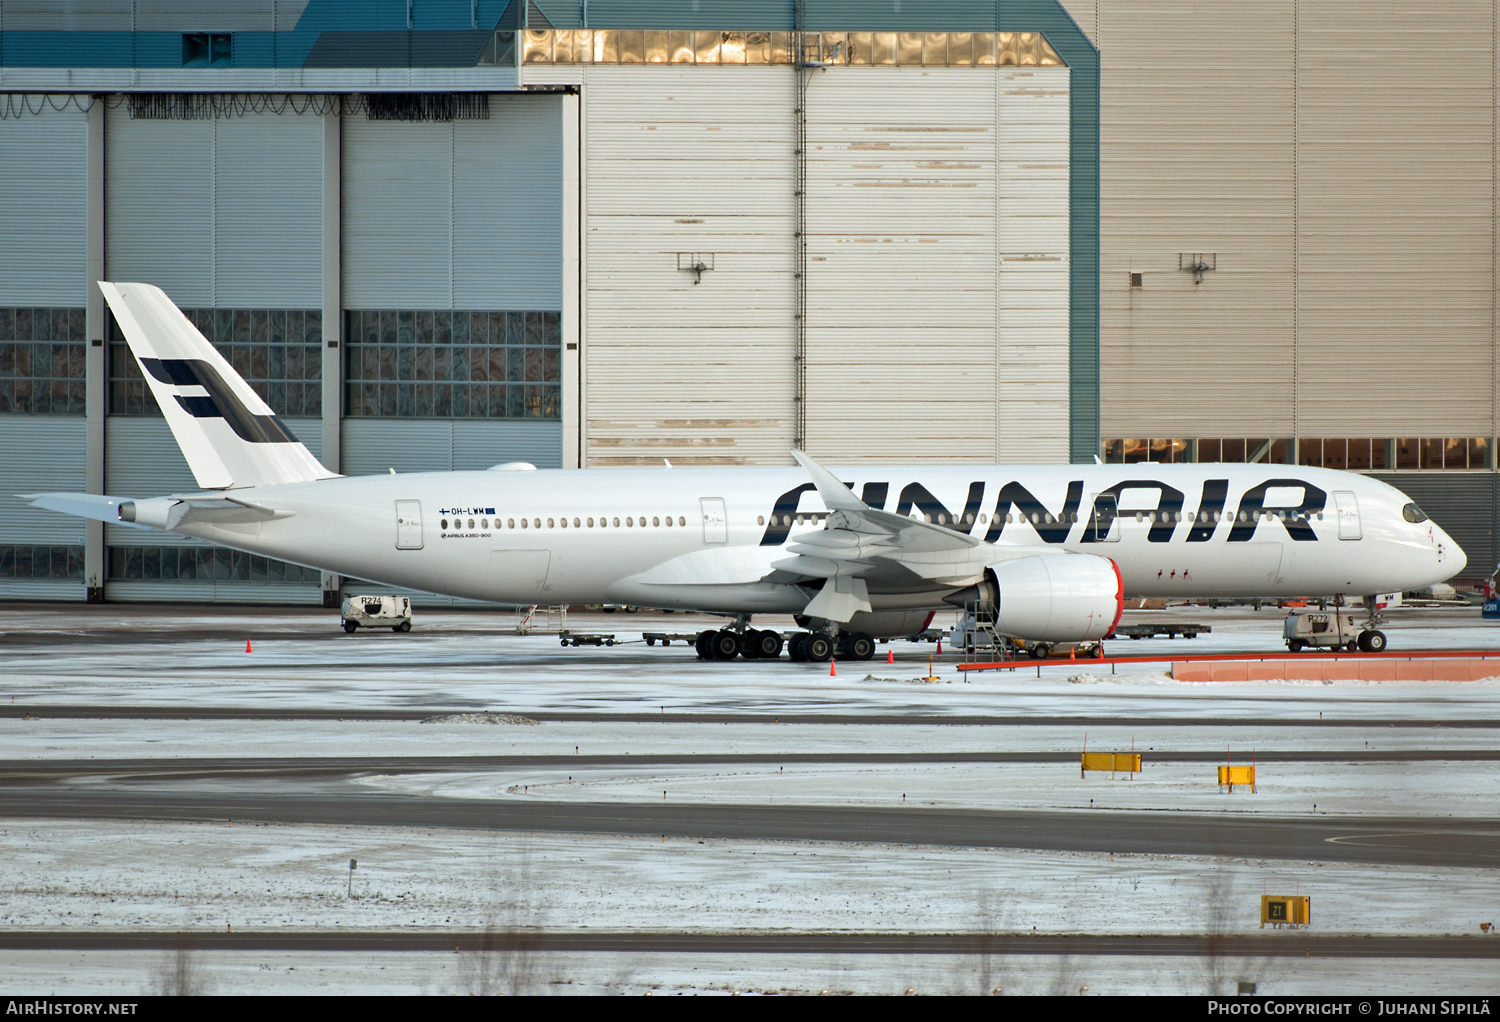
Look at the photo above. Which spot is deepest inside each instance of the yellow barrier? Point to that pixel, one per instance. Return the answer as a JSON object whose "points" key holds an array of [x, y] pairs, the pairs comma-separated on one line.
{"points": [[1232, 775], [1124, 762], [1284, 910]]}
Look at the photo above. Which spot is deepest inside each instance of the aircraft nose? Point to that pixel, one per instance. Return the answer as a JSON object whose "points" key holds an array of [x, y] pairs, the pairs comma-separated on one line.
{"points": [[1454, 554]]}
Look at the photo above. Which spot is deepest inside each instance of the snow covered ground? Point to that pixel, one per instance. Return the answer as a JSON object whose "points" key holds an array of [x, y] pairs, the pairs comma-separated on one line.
{"points": [[103, 875], [127, 973], [1282, 789], [122, 875], [63, 738], [455, 660]]}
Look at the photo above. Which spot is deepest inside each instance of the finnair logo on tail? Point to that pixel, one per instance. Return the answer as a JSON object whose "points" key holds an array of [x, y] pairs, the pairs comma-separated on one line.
{"points": [[218, 402]]}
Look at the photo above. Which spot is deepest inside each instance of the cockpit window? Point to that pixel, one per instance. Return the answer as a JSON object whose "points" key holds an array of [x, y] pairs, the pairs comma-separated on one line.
{"points": [[1413, 514]]}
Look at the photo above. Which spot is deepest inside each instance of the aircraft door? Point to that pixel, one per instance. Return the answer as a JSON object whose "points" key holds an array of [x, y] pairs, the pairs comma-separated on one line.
{"points": [[1348, 514], [1102, 521], [408, 525], [715, 520]]}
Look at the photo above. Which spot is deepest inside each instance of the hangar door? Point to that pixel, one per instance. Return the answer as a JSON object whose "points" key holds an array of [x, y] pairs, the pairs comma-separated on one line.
{"points": [[224, 211], [452, 257], [43, 281], [937, 276]]}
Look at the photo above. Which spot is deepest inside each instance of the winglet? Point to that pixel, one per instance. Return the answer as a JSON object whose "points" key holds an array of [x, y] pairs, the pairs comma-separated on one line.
{"points": [[836, 496]]}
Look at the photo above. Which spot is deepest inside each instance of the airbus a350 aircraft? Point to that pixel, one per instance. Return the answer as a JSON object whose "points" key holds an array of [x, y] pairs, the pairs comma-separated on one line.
{"points": [[1054, 550]]}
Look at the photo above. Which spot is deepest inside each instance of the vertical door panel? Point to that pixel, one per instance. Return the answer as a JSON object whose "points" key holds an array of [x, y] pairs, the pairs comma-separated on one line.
{"points": [[1348, 514], [408, 525], [715, 520]]}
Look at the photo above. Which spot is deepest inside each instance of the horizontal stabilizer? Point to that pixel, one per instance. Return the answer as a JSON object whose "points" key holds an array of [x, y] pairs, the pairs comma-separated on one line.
{"points": [[85, 505]]}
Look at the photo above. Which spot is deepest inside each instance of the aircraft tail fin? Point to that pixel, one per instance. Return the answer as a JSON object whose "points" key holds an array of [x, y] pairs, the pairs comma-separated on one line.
{"points": [[229, 436]]}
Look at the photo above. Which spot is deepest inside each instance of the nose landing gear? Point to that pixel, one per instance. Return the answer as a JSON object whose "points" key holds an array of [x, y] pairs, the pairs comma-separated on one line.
{"points": [[1372, 640]]}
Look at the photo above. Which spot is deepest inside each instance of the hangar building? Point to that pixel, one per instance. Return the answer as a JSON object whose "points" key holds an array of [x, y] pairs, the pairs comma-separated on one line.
{"points": [[455, 233]]}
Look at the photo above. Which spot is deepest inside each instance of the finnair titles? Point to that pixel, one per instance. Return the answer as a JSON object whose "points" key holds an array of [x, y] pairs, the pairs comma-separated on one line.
{"points": [[854, 552]]}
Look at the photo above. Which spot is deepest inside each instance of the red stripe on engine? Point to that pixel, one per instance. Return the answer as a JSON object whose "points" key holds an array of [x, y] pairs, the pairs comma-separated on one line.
{"points": [[926, 624], [1119, 598]]}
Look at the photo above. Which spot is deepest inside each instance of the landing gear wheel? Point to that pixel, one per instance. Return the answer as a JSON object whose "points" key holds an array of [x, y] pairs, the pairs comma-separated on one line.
{"points": [[1372, 641], [702, 642], [1294, 645], [725, 645], [859, 647], [767, 645], [1040, 651], [350, 626], [797, 648], [818, 648], [748, 649]]}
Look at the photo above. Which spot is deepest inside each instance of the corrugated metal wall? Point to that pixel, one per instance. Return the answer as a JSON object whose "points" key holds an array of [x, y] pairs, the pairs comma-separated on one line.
{"points": [[42, 453], [1196, 156], [224, 212], [375, 446], [43, 253], [459, 215], [1034, 226], [43, 215], [688, 161], [902, 265], [912, 206], [1396, 226], [1338, 162]]}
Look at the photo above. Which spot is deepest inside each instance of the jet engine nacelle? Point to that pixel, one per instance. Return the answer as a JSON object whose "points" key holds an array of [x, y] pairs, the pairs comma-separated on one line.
{"points": [[1072, 598], [156, 512]]}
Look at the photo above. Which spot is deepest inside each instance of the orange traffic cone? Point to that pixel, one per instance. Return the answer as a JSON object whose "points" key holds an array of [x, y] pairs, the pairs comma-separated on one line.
{"points": [[833, 669], [940, 647], [247, 645], [890, 656]]}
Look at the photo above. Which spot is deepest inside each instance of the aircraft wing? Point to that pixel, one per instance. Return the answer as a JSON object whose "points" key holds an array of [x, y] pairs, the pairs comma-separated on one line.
{"points": [[860, 545]]}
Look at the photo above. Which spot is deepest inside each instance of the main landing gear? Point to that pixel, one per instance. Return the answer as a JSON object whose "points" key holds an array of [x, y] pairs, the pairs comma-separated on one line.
{"points": [[752, 644]]}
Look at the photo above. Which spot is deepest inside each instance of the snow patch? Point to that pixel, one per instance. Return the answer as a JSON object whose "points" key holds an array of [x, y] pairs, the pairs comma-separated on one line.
{"points": [[479, 718]]}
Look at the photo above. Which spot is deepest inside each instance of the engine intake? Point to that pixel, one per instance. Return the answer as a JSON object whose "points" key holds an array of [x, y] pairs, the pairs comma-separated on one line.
{"points": [[1071, 598]]}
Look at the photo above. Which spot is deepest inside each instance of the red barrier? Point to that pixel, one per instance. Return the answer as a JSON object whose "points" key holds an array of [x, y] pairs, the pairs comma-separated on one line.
{"points": [[1390, 673]]}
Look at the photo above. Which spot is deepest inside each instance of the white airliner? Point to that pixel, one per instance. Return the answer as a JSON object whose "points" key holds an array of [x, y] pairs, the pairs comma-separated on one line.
{"points": [[1053, 550]]}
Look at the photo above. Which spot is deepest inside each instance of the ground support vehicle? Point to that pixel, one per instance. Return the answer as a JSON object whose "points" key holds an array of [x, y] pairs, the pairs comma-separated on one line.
{"points": [[667, 638], [585, 639], [1168, 629], [1333, 629], [393, 612], [1055, 650]]}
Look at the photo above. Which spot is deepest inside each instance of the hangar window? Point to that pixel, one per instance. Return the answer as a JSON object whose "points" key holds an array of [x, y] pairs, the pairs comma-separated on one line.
{"points": [[279, 352], [42, 361], [205, 49], [1180, 450], [202, 564], [49, 562], [453, 364], [714, 47]]}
